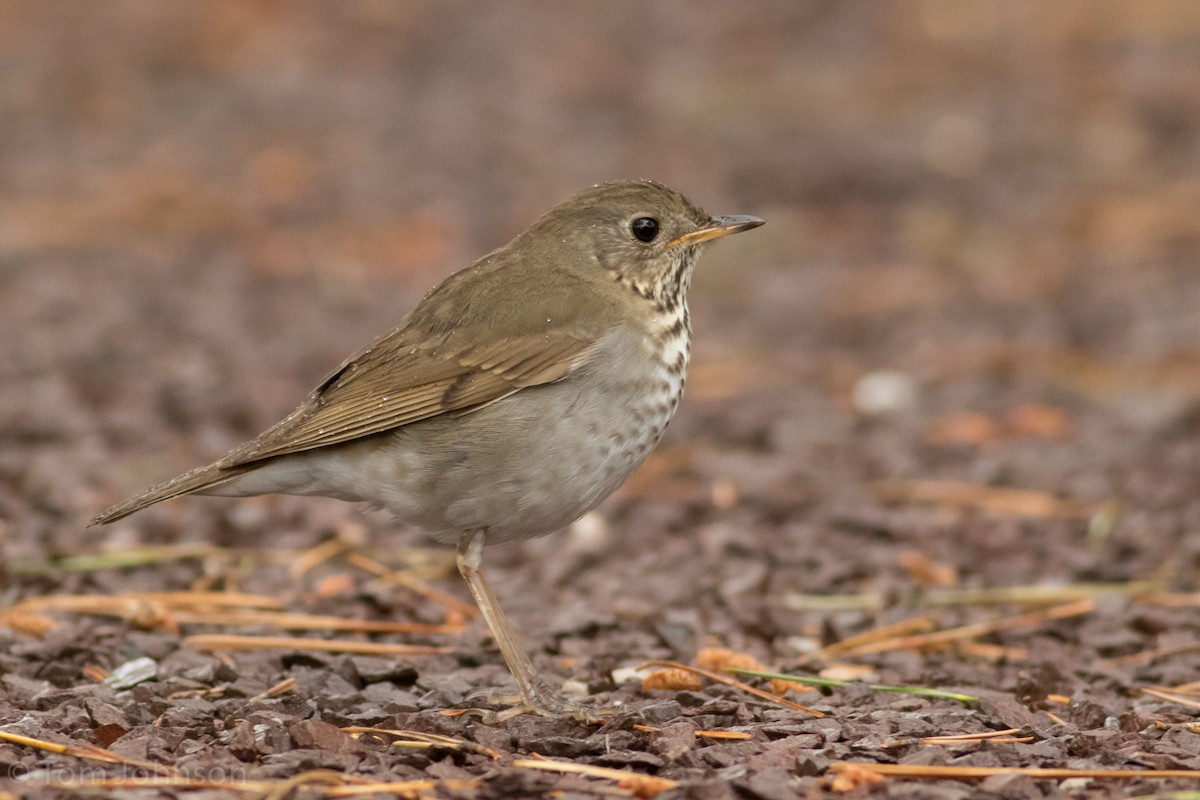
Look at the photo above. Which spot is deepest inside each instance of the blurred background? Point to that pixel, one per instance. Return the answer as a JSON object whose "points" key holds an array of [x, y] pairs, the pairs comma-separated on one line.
{"points": [[964, 353], [205, 206]]}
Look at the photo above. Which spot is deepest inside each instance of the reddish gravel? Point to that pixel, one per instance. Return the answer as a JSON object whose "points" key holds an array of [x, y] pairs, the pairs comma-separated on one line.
{"points": [[979, 274]]}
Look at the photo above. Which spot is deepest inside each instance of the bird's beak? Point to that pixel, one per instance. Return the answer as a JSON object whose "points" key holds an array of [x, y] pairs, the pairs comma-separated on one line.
{"points": [[721, 226]]}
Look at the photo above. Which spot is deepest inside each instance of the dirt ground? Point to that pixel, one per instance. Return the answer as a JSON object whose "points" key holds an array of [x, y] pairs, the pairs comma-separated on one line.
{"points": [[955, 381]]}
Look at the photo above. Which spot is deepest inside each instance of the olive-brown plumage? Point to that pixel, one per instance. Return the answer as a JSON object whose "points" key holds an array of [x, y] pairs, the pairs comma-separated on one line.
{"points": [[515, 397]]}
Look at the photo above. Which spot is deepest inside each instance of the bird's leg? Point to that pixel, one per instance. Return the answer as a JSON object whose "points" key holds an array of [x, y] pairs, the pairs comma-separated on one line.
{"points": [[536, 696]]}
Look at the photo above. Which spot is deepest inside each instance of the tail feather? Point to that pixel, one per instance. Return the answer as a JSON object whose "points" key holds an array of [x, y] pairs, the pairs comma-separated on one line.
{"points": [[188, 483]]}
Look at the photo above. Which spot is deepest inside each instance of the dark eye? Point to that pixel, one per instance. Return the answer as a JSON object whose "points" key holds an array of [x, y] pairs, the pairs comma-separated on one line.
{"points": [[644, 229]]}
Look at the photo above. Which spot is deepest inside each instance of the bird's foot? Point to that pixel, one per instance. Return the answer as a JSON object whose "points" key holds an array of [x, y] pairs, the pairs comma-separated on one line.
{"points": [[543, 703]]}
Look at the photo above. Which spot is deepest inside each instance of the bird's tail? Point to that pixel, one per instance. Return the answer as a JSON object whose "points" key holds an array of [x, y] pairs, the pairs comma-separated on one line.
{"points": [[188, 483]]}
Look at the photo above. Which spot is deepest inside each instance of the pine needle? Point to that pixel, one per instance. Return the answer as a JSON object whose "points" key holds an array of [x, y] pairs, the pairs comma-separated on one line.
{"points": [[975, 630], [1000, 737], [413, 584], [1033, 594], [1146, 656], [882, 633], [420, 739], [717, 677], [118, 559], [995, 500], [289, 621], [219, 641], [878, 687], [928, 772], [313, 557], [637, 783], [1171, 697], [88, 752]]}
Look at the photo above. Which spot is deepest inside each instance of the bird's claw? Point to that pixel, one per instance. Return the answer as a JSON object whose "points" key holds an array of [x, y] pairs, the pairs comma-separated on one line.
{"points": [[544, 704]]}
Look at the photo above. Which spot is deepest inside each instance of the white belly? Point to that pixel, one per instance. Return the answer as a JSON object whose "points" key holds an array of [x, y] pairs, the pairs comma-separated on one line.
{"points": [[523, 466]]}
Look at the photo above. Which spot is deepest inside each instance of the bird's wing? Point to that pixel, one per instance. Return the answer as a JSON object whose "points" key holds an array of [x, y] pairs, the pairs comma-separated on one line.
{"points": [[405, 377]]}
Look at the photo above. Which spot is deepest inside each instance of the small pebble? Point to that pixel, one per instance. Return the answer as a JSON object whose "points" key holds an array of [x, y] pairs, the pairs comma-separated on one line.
{"points": [[131, 673], [884, 391]]}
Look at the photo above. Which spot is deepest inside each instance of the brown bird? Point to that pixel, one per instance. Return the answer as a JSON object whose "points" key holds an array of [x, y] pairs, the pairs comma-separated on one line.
{"points": [[516, 396]]}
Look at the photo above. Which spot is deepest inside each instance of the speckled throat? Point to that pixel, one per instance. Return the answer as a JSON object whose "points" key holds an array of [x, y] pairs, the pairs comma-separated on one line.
{"points": [[667, 290], [670, 330]]}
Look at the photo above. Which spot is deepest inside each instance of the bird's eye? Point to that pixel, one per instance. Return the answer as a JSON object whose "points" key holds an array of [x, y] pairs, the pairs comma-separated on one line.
{"points": [[644, 229]]}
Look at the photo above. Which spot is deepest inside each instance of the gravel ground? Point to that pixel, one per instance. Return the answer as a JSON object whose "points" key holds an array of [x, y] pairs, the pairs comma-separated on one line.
{"points": [[961, 356]]}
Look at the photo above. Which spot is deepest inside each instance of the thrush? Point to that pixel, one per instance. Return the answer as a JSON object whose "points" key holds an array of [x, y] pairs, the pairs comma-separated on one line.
{"points": [[516, 396]]}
